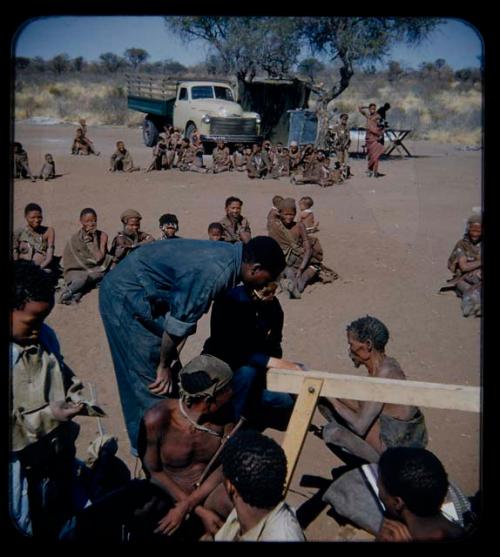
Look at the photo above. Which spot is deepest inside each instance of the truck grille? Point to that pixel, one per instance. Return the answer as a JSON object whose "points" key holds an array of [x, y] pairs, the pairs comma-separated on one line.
{"points": [[233, 126]]}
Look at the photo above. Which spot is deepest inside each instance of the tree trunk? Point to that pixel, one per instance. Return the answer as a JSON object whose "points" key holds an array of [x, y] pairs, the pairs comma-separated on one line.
{"points": [[322, 116], [346, 72]]}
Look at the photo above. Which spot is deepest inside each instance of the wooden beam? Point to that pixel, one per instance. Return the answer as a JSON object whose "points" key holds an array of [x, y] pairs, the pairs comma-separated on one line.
{"points": [[415, 393], [299, 423]]}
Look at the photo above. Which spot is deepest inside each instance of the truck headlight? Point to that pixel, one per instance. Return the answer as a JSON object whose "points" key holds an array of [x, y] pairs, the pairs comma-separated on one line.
{"points": [[206, 119], [257, 118]]}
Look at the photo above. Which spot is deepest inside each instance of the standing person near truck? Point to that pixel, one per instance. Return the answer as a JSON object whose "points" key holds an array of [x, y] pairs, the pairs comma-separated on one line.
{"points": [[341, 143], [374, 137]]}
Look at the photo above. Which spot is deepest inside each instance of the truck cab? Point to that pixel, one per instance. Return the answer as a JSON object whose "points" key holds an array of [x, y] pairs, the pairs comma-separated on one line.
{"points": [[206, 106]]}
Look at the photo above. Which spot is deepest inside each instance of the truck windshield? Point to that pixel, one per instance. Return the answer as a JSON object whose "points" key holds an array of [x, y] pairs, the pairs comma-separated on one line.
{"points": [[223, 93], [207, 92], [202, 92]]}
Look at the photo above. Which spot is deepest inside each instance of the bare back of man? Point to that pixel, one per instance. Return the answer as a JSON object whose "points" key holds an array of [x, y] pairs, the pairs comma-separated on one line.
{"points": [[365, 429]]}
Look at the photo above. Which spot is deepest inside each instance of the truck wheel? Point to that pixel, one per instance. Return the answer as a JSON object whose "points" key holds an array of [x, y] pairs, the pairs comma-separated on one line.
{"points": [[190, 129], [149, 132]]}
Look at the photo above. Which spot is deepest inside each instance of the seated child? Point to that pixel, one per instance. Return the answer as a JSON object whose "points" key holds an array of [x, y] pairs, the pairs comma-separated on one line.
{"points": [[80, 144], [465, 262], [188, 159], [169, 225], [221, 158], [21, 165], [239, 158], [160, 159], [216, 231], [48, 170], [35, 242], [90, 144], [283, 160], [121, 159], [236, 226], [130, 237], [306, 215], [274, 213], [85, 259]]}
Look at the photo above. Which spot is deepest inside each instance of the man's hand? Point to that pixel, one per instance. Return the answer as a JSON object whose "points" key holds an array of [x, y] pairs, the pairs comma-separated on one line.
{"points": [[65, 410], [173, 519], [393, 531], [163, 383], [279, 363]]}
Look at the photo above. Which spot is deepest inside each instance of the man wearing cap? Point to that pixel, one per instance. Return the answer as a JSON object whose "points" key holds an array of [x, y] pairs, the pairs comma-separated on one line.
{"points": [[130, 237], [178, 441], [152, 301]]}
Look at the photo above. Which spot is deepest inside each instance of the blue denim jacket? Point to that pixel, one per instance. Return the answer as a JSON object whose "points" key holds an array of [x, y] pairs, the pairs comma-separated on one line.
{"points": [[170, 285]]}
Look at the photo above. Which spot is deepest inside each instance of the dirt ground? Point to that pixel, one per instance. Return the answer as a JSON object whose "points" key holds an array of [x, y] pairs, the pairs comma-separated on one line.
{"points": [[388, 238]]}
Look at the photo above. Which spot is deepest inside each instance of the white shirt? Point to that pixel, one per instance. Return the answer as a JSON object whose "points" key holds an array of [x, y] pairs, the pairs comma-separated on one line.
{"points": [[280, 525]]}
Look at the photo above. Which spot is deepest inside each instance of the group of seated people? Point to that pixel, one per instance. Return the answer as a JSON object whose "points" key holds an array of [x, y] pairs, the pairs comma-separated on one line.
{"points": [[209, 471], [22, 168], [86, 257], [304, 164]]}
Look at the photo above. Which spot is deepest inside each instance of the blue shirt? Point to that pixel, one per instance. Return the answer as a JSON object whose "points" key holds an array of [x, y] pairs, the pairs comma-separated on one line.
{"points": [[170, 285]]}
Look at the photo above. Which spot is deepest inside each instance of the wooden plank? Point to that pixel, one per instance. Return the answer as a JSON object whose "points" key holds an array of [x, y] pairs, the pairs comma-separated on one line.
{"points": [[415, 393], [299, 423]]}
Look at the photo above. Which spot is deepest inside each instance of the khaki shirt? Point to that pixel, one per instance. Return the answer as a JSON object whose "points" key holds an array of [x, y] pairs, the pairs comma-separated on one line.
{"points": [[280, 525], [38, 377]]}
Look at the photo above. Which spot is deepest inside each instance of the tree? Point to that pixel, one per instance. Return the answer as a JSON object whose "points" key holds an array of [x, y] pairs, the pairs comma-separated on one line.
{"points": [[310, 68], [351, 40], [78, 63], [136, 56], [22, 63], [394, 71], [215, 65], [111, 62], [173, 67], [245, 44], [59, 64], [39, 64]]}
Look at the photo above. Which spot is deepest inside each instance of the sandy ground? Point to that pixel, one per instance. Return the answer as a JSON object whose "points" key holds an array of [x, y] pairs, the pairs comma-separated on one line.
{"points": [[389, 239]]}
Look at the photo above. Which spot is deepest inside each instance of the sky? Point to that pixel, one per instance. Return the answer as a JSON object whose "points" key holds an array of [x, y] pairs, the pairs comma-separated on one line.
{"points": [[89, 36]]}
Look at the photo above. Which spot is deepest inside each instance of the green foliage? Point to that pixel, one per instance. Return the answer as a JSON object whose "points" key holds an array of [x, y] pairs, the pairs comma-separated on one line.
{"points": [[78, 63], [22, 63], [310, 68], [245, 44], [59, 64], [111, 62], [136, 56], [173, 67]]}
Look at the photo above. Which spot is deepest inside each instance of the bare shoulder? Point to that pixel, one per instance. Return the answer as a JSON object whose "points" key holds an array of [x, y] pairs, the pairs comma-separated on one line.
{"points": [[49, 232], [391, 369], [159, 415]]}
